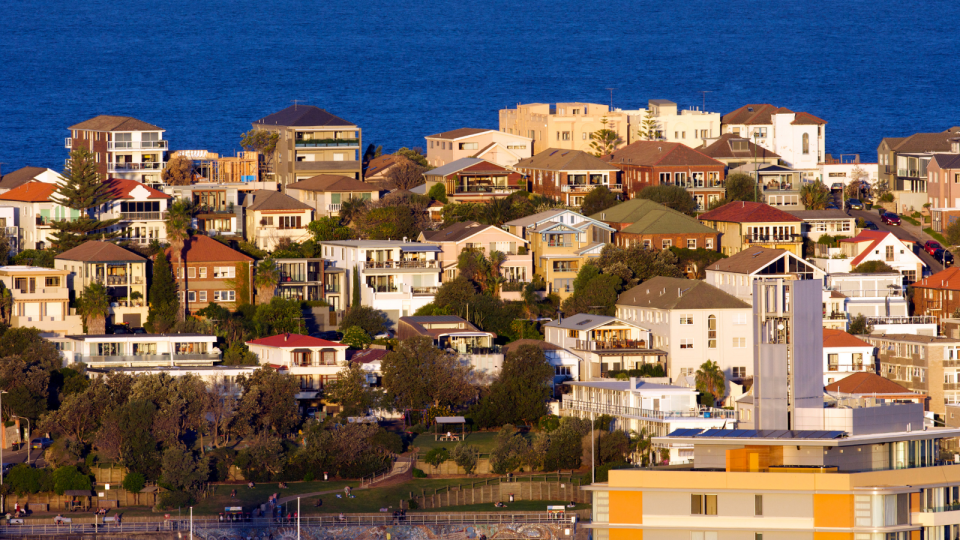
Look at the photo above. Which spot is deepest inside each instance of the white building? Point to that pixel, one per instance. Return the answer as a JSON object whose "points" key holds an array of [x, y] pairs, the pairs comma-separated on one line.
{"points": [[871, 295], [396, 276], [690, 126], [40, 298], [873, 246], [313, 361], [817, 223], [225, 376], [842, 172], [797, 137], [735, 274], [139, 350], [844, 355], [605, 343]]}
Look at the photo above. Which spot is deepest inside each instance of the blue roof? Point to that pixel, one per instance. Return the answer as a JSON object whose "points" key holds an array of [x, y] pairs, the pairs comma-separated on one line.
{"points": [[781, 434]]}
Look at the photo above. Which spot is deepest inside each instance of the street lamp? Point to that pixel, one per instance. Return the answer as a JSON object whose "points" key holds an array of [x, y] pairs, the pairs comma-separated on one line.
{"points": [[3, 498]]}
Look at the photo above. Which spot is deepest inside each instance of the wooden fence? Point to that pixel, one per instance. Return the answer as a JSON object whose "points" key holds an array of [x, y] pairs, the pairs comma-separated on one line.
{"points": [[491, 490], [113, 498]]}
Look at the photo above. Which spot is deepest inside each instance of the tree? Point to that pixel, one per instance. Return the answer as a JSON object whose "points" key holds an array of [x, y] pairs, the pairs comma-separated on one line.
{"points": [[415, 155], [509, 450], [327, 229], [355, 289], [519, 393], [267, 403], [649, 128], [356, 337], [351, 392], [859, 326], [164, 303], [466, 456], [178, 172], [634, 264], [181, 470], [597, 200], [262, 142], [94, 304], [437, 457], [392, 219], [350, 210], [266, 280], [952, 233], [742, 187], [177, 223], [675, 197], [85, 192], [710, 382], [405, 174], [593, 292], [279, 316], [438, 192], [859, 183], [815, 196], [372, 321], [696, 259], [874, 267], [418, 375], [604, 140], [372, 152]]}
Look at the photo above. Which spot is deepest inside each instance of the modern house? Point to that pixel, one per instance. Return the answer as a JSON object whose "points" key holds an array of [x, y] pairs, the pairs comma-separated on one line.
{"points": [[475, 180], [24, 175], [746, 224], [313, 361], [923, 364], [499, 147], [779, 184], [797, 137], [40, 298], [301, 279], [312, 142], [123, 272], [604, 343], [844, 355], [878, 246], [272, 217], [564, 126], [817, 223], [903, 164], [141, 209], [659, 163], [736, 274], [326, 192], [210, 272], [456, 336], [654, 226], [123, 147], [139, 350], [734, 151], [516, 268], [218, 208], [689, 126], [938, 296], [568, 175]]}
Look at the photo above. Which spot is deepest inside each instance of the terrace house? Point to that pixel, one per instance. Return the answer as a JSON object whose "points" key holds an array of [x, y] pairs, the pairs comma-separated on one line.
{"points": [[938, 296], [475, 180], [217, 206], [903, 164], [499, 147], [123, 147], [122, 272], [943, 181], [746, 224], [568, 175], [516, 268], [659, 163]]}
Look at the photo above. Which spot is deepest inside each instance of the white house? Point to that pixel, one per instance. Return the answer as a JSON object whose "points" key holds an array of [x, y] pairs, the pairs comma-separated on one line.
{"points": [[797, 137], [874, 246], [29, 174], [605, 343], [40, 298], [225, 376], [817, 223], [313, 361], [735, 274], [844, 355], [139, 350]]}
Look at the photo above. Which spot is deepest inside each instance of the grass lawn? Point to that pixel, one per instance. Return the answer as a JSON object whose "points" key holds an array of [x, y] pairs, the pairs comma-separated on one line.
{"points": [[484, 440], [372, 500], [249, 498], [518, 506]]}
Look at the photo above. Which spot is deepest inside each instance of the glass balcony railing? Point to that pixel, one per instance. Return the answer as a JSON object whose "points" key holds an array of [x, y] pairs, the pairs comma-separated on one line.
{"points": [[326, 143]]}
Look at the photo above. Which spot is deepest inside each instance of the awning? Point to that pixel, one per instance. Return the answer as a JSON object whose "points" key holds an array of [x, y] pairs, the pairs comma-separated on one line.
{"points": [[450, 420], [307, 395], [422, 247], [302, 350], [468, 334], [78, 493]]}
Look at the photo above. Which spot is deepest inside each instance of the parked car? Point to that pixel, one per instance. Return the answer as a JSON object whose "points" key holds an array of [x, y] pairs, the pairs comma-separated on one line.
{"points": [[854, 204], [837, 186], [890, 218], [7, 467], [41, 443], [138, 330], [931, 247], [331, 335], [870, 226], [832, 206], [121, 330], [943, 256]]}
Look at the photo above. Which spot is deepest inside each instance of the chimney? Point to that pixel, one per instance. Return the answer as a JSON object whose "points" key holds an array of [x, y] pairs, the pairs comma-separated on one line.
{"points": [[286, 336], [633, 383]]}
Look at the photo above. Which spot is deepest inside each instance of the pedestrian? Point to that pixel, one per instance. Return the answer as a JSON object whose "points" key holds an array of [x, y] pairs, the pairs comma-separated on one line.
{"points": [[319, 503]]}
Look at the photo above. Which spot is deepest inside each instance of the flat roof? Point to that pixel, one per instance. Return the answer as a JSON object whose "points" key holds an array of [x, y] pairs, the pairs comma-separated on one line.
{"points": [[717, 437], [82, 337]]}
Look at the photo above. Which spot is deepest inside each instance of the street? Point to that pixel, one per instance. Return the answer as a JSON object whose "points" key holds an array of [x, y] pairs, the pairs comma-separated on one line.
{"points": [[906, 231], [20, 456]]}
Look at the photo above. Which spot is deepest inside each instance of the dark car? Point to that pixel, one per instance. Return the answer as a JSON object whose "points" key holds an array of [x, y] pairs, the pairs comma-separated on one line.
{"points": [[138, 330], [832, 206], [854, 204], [41, 443], [837, 186], [931, 247], [329, 336], [890, 218], [121, 330], [870, 226], [943, 256]]}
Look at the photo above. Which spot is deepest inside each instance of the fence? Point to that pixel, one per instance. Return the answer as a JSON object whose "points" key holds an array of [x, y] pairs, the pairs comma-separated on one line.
{"points": [[502, 491]]}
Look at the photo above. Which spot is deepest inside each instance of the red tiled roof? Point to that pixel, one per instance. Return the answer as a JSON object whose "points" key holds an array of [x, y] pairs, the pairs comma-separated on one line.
{"points": [[293, 341], [868, 383], [457, 133], [948, 279], [659, 153], [805, 118], [748, 212], [839, 338], [753, 113], [30, 192], [366, 356], [205, 249], [120, 188], [874, 237]]}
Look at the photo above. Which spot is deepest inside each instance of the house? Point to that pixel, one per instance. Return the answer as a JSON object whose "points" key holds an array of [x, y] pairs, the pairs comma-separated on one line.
{"points": [[516, 268], [123, 272], [923, 364], [693, 322], [938, 296], [210, 272], [272, 216], [561, 241], [370, 362], [874, 246], [568, 175], [689, 126], [141, 209], [395, 276], [475, 180], [654, 226], [123, 147], [845, 169], [457, 336], [943, 181], [659, 163], [797, 137], [564, 126], [23, 175], [139, 350], [844, 355], [817, 223], [604, 343], [904, 163], [326, 192], [218, 209], [314, 362], [565, 363], [32, 212], [736, 274], [869, 385], [301, 279], [498, 147], [745, 224], [40, 298], [734, 151], [877, 296], [780, 184], [312, 142]]}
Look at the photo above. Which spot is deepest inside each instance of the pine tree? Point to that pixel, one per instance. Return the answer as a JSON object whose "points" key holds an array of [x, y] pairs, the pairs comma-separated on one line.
{"points": [[85, 191], [605, 140], [355, 299], [164, 303], [649, 128]]}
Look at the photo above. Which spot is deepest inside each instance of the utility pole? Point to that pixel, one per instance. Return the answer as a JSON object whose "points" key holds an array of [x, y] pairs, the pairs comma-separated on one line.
{"points": [[3, 499], [611, 97]]}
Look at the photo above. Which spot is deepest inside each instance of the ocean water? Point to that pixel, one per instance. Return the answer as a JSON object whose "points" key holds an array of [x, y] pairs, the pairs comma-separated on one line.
{"points": [[403, 70]]}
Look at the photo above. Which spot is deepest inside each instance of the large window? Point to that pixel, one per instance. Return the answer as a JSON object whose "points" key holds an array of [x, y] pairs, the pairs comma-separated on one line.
{"points": [[224, 272], [806, 143], [712, 332], [703, 505], [108, 349], [224, 296], [289, 222]]}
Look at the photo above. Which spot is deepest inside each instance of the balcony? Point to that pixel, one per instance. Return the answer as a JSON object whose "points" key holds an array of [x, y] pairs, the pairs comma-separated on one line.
{"points": [[780, 186], [423, 291], [771, 238], [349, 165], [68, 143], [384, 288], [591, 345], [11, 231], [849, 368], [299, 277], [127, 167], [400, 265], [119, 280], [334, 207], [153, 358], [140, 216], [136, 145], [227, 210], [485, 189], [873, 293], [917, 319], [834, 316], [331, 289], [646, 414], [326, 143]]}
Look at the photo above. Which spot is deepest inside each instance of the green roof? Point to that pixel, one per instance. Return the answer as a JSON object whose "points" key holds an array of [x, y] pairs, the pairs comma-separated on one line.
{"points": [[649, 217]]}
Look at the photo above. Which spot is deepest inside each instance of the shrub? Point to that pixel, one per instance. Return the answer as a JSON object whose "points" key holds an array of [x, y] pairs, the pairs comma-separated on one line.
{"points": [[308, 477], [133, 482], [174, 499], [387, 440], [437, 457], [886, 197], [417, 473], [412, 504], [646, 370], [418, 428], [549, 423], [465, 457], [356, 338], [66, 478]]}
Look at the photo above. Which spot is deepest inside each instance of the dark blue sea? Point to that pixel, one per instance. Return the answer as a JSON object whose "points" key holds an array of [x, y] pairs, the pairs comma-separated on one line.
{"points": [[204, 70]]}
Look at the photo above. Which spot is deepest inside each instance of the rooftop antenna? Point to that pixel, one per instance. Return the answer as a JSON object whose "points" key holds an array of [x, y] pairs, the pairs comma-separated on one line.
{"points": [[705, 92], [611, 97], [295, 101]]}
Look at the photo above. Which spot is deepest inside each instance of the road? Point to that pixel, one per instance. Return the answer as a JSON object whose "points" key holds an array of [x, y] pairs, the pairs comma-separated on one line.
{"points": [[20, 456], [905, 231]]}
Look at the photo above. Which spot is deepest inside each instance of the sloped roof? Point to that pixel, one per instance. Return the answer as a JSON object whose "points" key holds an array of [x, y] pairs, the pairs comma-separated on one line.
{"points": [[723, 148], [380, 164], [303, 116], [944, 161], [557, 159], [30, 192], [864, 383], [20, 176], [924, 142], [947, 279], [120, 188], [365, 356], [748, 261], [751, 114], [805, 118], [543, 345], [264, 199], [585, 321], [204, 249], [331, 182], [457, 133], [748, 212], [659, 153], [874, 237], [289, 341], [96, 251], [115, 123], [456, 166], [839, 338], [457, 232], [649, 217], [679, 293], [536, 218]]}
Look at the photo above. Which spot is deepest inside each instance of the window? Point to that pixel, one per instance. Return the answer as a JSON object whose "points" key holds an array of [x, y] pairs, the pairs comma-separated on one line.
{"points": [[584, 135], [692, 243], [573, 334], [289, 222], [806, 143], [739, 343], [712, 332], [667, 244], [468, 146], [709, 243], [686, 343], [203, 296], [224, 296], [223, 272], [203, 272], [267, 221], [680, 178], [191, 273], [664, 178], [647, 244], [52, 281], [758, 508], [890, 253], [703, 505], [192, 296], [739, 372], [563, 370], [686, 319]]}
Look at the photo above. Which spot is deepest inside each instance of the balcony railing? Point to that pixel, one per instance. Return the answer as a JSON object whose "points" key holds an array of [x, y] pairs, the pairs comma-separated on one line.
{"points": [[136, 145], [592, 345], [384, 288], [917, 319], [780, 186], [68, 143], [636, 412], [399, 265], [118, 280], [835, 316], [326, 143], [152, 358], [300, 277], [423, 291], [770, 238], [141, 216], [334, 207], [11, 231], [335, 289], [123, 167], [913, 173], [873, 293], [850, 368], [486, 189], [586, 188]]}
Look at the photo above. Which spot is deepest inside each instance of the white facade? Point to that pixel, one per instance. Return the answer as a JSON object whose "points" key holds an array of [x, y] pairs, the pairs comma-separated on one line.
{"points": [[139, 350], [313, 361], [690, 127], [839, 362], [740, 283], [833, 173], [605, 343], [873, 246], [131, 155], [225, 376], [40, 298], [800, 146], [871, 295]]}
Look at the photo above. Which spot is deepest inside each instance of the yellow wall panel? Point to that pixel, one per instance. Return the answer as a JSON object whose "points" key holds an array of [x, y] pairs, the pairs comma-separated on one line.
{"points": [[626, 507], [832, 510], [626, 534], [832, 536]]}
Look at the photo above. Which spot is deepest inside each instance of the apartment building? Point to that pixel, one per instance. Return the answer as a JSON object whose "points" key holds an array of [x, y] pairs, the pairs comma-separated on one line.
{"points": [[736, 274], [499, 147], [797, 137], [24, 175], [874, 246], [817, 223], [475, 180], [568, 175], [660, 163], [938, 296], [654, 226], [33, 210], [693, 322], [396, 276], [564, 126], [325, 193], [561, 241], [745, 224], [780, 184], [123, 147], [457, 336], [923, 364], [218, 209], [735, 151], [272, 216], [604, 343], [123, 272], [943, 181], [312, 142], [117, 351], [903, 164], [517, 267], [845, 355], [40, 298], [210, 272], [314, 362], [688, 126]]}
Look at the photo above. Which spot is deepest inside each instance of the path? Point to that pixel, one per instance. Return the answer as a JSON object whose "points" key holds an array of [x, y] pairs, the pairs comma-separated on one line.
{"points": [[401, 466]]}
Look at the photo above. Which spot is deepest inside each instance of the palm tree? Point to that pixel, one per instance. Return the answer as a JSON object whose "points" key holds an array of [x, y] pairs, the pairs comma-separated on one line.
{"points": [[94, 304], [351, 209], [710, 380], [179, 219], [497, 212], [644, 442], [814, 196], [268, 275], [496, 260]]}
